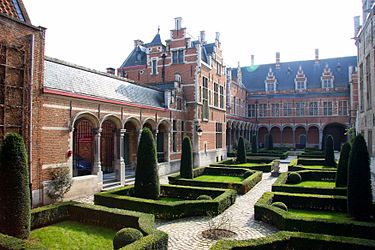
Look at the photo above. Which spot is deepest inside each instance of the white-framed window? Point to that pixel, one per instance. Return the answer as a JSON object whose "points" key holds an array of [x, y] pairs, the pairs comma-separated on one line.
{"points": [[300, 85], [205, 111], [313, 109], [300, 108], [343, 107], [327, 83], [154, 66], [275, 109], [287, 109], [327, 108], [262, 110], [178, 56], [221, 97], [216, 94], [251, 110]]}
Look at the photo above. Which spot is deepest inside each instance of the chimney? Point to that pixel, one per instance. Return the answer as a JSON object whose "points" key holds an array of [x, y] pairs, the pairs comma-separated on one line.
{"points": [[316, 56], [252, 60], [357, 25], [217, 36], [111, 71], [137, 42], [177, 22], [277, 60], [203, 37]]}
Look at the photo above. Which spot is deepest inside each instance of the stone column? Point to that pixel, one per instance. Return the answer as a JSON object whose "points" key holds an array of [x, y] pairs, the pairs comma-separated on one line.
{"points": [[120, 166], [294, 136], [230, 140], [320, 138], [168, 158], [97, 164]]}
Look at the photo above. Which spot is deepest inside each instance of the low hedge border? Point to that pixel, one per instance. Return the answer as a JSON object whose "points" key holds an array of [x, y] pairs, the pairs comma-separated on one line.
{"points": [[99, 216], [280, 184], [295, 165], [310, 156], [241, 188], [122, 198], [285, 221], [310, 161], [265, 164], [297, 240]]}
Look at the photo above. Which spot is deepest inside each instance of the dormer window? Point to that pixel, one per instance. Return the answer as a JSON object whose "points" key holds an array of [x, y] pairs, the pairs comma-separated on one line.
{"points": [[270, 82], [301, 80], [327, 78], [327, 83]]}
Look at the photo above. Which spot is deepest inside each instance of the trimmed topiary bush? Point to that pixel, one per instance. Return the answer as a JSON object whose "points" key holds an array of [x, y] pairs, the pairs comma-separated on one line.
{"points": [[342, 168], [204, 197], [329, 155], [359, 181], [146, 184], [254, 147], [15, 204], [241, 151], [125, 237], [294, 178], [280, 204], [186, 168]]}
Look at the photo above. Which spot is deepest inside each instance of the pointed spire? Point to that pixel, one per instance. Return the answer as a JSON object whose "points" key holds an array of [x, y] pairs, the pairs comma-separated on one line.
{"points": [[158, 29]]}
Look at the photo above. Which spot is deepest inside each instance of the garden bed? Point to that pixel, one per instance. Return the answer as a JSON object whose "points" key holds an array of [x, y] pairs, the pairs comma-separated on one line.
{"points": [[242, 180], [92, 215], [298, 241], [295, 165], [312, 183], [333, 225], [189, 206], [257, 163]]}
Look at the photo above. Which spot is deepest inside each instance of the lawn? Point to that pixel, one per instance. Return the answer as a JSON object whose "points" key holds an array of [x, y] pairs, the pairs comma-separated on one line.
{"points": [[318, 184], [170, 199], [219, 178], [331, 215], [74, 235]]}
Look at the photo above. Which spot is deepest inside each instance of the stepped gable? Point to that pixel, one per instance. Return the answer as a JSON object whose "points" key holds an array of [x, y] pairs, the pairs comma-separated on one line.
{"points": [[14, 9]]}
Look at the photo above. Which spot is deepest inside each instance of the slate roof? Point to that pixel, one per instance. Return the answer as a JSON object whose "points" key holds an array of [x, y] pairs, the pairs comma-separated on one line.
{"points": [[14, 9], [71, 78], [137, 57], [253, 77], [156, 41]]}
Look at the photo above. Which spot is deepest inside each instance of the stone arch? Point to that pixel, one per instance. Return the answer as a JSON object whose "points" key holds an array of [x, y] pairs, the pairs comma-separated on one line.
{"points": [[313, 136], [114, 119], [276, 135], [132, 127], [337, 130], [262, 132], [87, 115], [300, 137], [162, 139], [287, 136], [149, 123]]}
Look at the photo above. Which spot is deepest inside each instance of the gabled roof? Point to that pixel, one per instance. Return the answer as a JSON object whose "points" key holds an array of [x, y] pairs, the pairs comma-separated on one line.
{"points": [[253, 77], [156, 41], [69, 78], [207, 50], [14, 9], [137, 57]]}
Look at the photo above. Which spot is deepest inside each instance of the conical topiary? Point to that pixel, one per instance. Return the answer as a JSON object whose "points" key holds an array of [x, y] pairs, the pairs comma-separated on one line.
{"points": [[146, 183], [329, 154], [241, 151], [342, 167], [186, 168], [254, 147], [359, 181], [15, 204]]}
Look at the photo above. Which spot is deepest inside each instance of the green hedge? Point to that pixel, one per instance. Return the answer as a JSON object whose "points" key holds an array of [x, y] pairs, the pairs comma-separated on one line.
{"points": [[12, 243], [277, 154], [309, 155], [285, 221], [295, 165], [241, 188], [297, 240], [99, 216], [311, 161], [265, 164], [280, 184], [123, 198]]}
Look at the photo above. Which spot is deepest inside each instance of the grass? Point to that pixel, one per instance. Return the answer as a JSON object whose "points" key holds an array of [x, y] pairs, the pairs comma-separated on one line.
{"points": [[315, 166], [74, 235], [250, 164], [169, 199], [318, 184], [331, 215], [219, 178]]}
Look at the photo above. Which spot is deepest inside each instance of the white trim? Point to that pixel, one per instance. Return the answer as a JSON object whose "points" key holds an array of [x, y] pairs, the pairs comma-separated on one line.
{"points": [[55, 106], [55, 165], [55, 128]]}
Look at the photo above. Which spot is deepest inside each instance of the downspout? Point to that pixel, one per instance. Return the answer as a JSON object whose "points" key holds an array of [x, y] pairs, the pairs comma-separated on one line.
{"points": [[30, 155]]}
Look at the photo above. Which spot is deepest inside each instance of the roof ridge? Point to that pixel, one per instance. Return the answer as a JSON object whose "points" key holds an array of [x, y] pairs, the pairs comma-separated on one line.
{"points": [[72, 65]]}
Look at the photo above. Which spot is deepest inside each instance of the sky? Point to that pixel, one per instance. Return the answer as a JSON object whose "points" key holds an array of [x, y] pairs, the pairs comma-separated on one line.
{"points": [[98, 34]]}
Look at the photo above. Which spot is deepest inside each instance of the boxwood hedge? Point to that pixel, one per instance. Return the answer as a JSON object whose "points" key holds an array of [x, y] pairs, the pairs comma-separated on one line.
{"points": [[295, 165], [253, 178], [123, 198], [297, 240], [280, 185], [265, 163], [285, 221]]}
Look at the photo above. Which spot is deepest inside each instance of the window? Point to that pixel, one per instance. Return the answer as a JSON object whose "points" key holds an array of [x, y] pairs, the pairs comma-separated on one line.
{"points": [[205, 112], [174, 136], [221, 97], [218, 68], [327, 83], [300, 108], [313, 108], [251, 110], [177, 78], [262, 110], [275, 108], [219, 135], [154, 64], [178, 103], [271, 86], [287, 109], [343, 108], [300, 85], [327, 106], [178, 56], [216, 94]]}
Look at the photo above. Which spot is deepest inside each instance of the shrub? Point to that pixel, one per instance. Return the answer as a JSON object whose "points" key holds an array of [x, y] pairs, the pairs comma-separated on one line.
{"points": [[280, 204], [342, 168], [254, 147], [241, 152], [359, 181], [60, 183], [146, 183], [204, 197], [125, 237], [247, 174], [15, 201], [329, 155], [186, 168], [294, 178]]}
